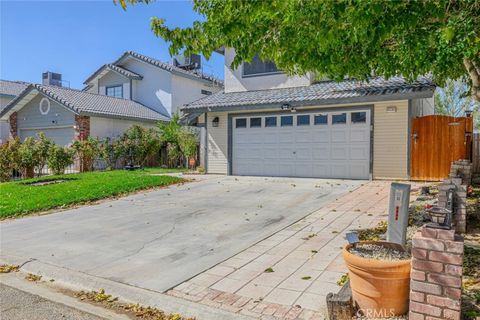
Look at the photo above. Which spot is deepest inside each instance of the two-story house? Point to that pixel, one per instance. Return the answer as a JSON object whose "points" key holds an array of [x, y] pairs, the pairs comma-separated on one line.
{"points": [[134, 89], [267, 123]]}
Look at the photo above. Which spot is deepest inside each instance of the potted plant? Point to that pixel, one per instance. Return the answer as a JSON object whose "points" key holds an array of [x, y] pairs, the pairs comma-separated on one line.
{"points": [[379, 275]]}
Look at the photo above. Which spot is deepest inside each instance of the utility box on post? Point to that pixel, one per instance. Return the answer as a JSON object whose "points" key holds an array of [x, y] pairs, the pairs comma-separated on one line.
{"points": [[398, 213]]}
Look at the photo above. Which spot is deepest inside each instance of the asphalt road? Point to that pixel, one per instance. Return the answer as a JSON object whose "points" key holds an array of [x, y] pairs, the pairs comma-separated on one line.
{"points": [[19, 305]]}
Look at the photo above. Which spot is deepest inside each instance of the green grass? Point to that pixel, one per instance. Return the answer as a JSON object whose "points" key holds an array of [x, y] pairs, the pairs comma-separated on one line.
{"points": [[157, 170], [19, 198]]}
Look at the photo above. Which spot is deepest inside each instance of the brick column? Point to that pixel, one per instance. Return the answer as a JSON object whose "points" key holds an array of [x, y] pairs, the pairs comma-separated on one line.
{"points": [[13, 125], [82, 127], [459, 201], [462, 169], [436, 276]]}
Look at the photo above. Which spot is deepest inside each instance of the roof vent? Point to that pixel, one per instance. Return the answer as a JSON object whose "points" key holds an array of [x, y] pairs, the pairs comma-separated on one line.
{"points": [[191, 62]]}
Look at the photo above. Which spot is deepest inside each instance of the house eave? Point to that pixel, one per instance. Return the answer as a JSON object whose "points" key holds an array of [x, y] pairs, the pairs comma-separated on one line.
{"points": [[318, 102]]}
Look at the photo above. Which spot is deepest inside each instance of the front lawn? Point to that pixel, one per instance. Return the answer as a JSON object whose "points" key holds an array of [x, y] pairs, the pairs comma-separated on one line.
{"points": [[21, 197]]}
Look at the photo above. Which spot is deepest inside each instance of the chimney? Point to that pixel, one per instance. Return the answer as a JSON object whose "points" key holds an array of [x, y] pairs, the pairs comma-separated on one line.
{"points": [[52, 79]]}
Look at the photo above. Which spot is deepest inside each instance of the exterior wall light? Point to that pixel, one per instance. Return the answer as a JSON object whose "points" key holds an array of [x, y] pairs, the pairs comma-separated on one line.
{"points": [[287, 106], [215, 122]]}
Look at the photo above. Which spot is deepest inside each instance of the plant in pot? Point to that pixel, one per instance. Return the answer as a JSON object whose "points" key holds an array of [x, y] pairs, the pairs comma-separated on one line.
{"points": [[379, 275], [188, 145]]}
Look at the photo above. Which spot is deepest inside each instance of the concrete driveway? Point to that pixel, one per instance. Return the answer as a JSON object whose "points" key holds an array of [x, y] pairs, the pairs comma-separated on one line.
{"points": [[156, 240]]}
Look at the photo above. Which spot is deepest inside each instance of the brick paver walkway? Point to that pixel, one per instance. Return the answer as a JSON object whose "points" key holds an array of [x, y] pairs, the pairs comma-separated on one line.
{"points": [[304, 257]]}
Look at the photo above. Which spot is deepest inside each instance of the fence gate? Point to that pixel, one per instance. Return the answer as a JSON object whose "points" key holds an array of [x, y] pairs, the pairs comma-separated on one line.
{"points": [[476, 153], [436, 141]]}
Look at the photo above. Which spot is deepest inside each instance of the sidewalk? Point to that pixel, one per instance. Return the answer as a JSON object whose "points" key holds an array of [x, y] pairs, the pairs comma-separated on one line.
{"points": [[305, 259]]}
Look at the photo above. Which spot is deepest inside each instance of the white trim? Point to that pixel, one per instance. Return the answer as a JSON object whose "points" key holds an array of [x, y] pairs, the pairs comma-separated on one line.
{"points": [[40, 106]]}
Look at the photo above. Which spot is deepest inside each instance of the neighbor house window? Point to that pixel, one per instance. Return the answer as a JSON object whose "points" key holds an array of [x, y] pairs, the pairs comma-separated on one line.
{"points": [[359, 117], [339, 118], [303, 120], [258, 67], [286, 121], [115, 91], [320, 119], [241, 123], [255, 122], [270, 121]]}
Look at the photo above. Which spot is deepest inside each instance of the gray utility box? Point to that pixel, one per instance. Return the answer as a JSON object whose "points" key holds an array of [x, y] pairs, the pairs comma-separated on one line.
{"points": [[398, 213]]}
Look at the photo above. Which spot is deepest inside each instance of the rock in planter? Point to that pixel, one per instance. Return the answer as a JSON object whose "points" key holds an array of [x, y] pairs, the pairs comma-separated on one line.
{"points": [[379, 275]]}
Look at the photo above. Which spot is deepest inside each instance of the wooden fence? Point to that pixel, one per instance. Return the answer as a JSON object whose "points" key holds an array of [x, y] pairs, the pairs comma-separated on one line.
{"points": [[437, 141], [476, 153]]}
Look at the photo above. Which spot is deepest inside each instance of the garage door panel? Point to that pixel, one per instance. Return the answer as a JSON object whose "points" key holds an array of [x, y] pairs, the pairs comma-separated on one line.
{"points": [[339, 135], [322, 150], [321, 135], [61, 136]]}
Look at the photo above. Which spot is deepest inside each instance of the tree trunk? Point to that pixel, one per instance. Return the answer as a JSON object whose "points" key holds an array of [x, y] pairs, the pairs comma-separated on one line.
{"points": [[473, 70]]}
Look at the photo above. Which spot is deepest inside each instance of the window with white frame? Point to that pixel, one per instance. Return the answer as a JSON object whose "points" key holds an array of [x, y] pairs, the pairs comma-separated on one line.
{"points": [[115, 91]]}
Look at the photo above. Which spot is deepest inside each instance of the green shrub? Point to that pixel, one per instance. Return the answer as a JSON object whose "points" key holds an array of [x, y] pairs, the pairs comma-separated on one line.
{"points": [[188, 142], [110, 151], [138, 143], [28, 157], [59, 158], [9, 157], [87, 151], [42, 148]]}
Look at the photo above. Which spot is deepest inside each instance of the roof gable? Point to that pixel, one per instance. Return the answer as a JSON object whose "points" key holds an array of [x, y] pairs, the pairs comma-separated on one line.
{"points": [[100, 72]]}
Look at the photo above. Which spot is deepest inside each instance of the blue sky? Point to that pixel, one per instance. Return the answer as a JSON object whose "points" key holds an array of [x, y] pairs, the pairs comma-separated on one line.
{"points": [[76, 37]]}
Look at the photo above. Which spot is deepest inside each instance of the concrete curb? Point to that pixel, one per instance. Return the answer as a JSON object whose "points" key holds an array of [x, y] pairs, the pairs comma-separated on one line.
{"points": [[77, 281], [14, 280]]}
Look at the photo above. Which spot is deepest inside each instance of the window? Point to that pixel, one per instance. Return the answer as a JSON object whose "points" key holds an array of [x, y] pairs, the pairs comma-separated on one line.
{"points": [[258, 66], [303, 120], [206, 92], [359, 117], [270, 121], [339, 118], [255, 122], [320, 119], [241, 123], [116, 91], [286, 121]]}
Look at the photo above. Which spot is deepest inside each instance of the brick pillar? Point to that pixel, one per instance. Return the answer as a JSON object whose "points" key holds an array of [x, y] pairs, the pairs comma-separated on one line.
{"points": [[82, 127], [13, 125], [436, 276], [459, 201], [462, 169]]}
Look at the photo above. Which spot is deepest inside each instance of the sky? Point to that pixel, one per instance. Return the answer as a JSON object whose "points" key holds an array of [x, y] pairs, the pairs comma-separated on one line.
{"points": [[75, 38]]}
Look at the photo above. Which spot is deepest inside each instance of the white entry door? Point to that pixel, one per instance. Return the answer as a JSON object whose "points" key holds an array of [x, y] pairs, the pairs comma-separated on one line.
{"points": [[318, 145]]}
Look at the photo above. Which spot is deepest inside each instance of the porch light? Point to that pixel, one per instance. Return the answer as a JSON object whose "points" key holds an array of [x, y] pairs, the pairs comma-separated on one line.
{"points": [[215, 122]]}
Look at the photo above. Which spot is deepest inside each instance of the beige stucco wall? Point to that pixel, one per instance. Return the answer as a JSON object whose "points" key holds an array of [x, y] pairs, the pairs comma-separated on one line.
{"points": [[217, 143], [112, 128], [390, 141], [390, 145]]}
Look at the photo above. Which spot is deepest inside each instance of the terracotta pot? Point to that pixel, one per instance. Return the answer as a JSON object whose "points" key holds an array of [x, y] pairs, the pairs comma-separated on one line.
{"points": [[380, 288], [192, 162]]}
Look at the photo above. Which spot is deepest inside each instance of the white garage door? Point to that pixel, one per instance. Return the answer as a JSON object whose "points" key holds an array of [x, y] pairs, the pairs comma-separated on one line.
{"points": [[320, 145], [61, 136]]}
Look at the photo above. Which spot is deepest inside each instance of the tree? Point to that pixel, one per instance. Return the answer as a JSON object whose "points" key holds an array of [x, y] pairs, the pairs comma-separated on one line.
{"points": [[453, 100], [28, 157], [340, 39], [170, 134], [87, 151], [59, 158]]}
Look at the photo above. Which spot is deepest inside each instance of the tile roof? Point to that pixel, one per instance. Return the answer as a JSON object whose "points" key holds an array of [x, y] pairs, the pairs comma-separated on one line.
{"points": [[86, 103], [12, 88], [124, 72], [326, 92], [168, 67]]}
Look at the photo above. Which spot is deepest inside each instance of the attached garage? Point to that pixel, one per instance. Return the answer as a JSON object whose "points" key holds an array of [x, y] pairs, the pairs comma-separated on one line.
{"points": [[61, 136], [334, 144]]}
